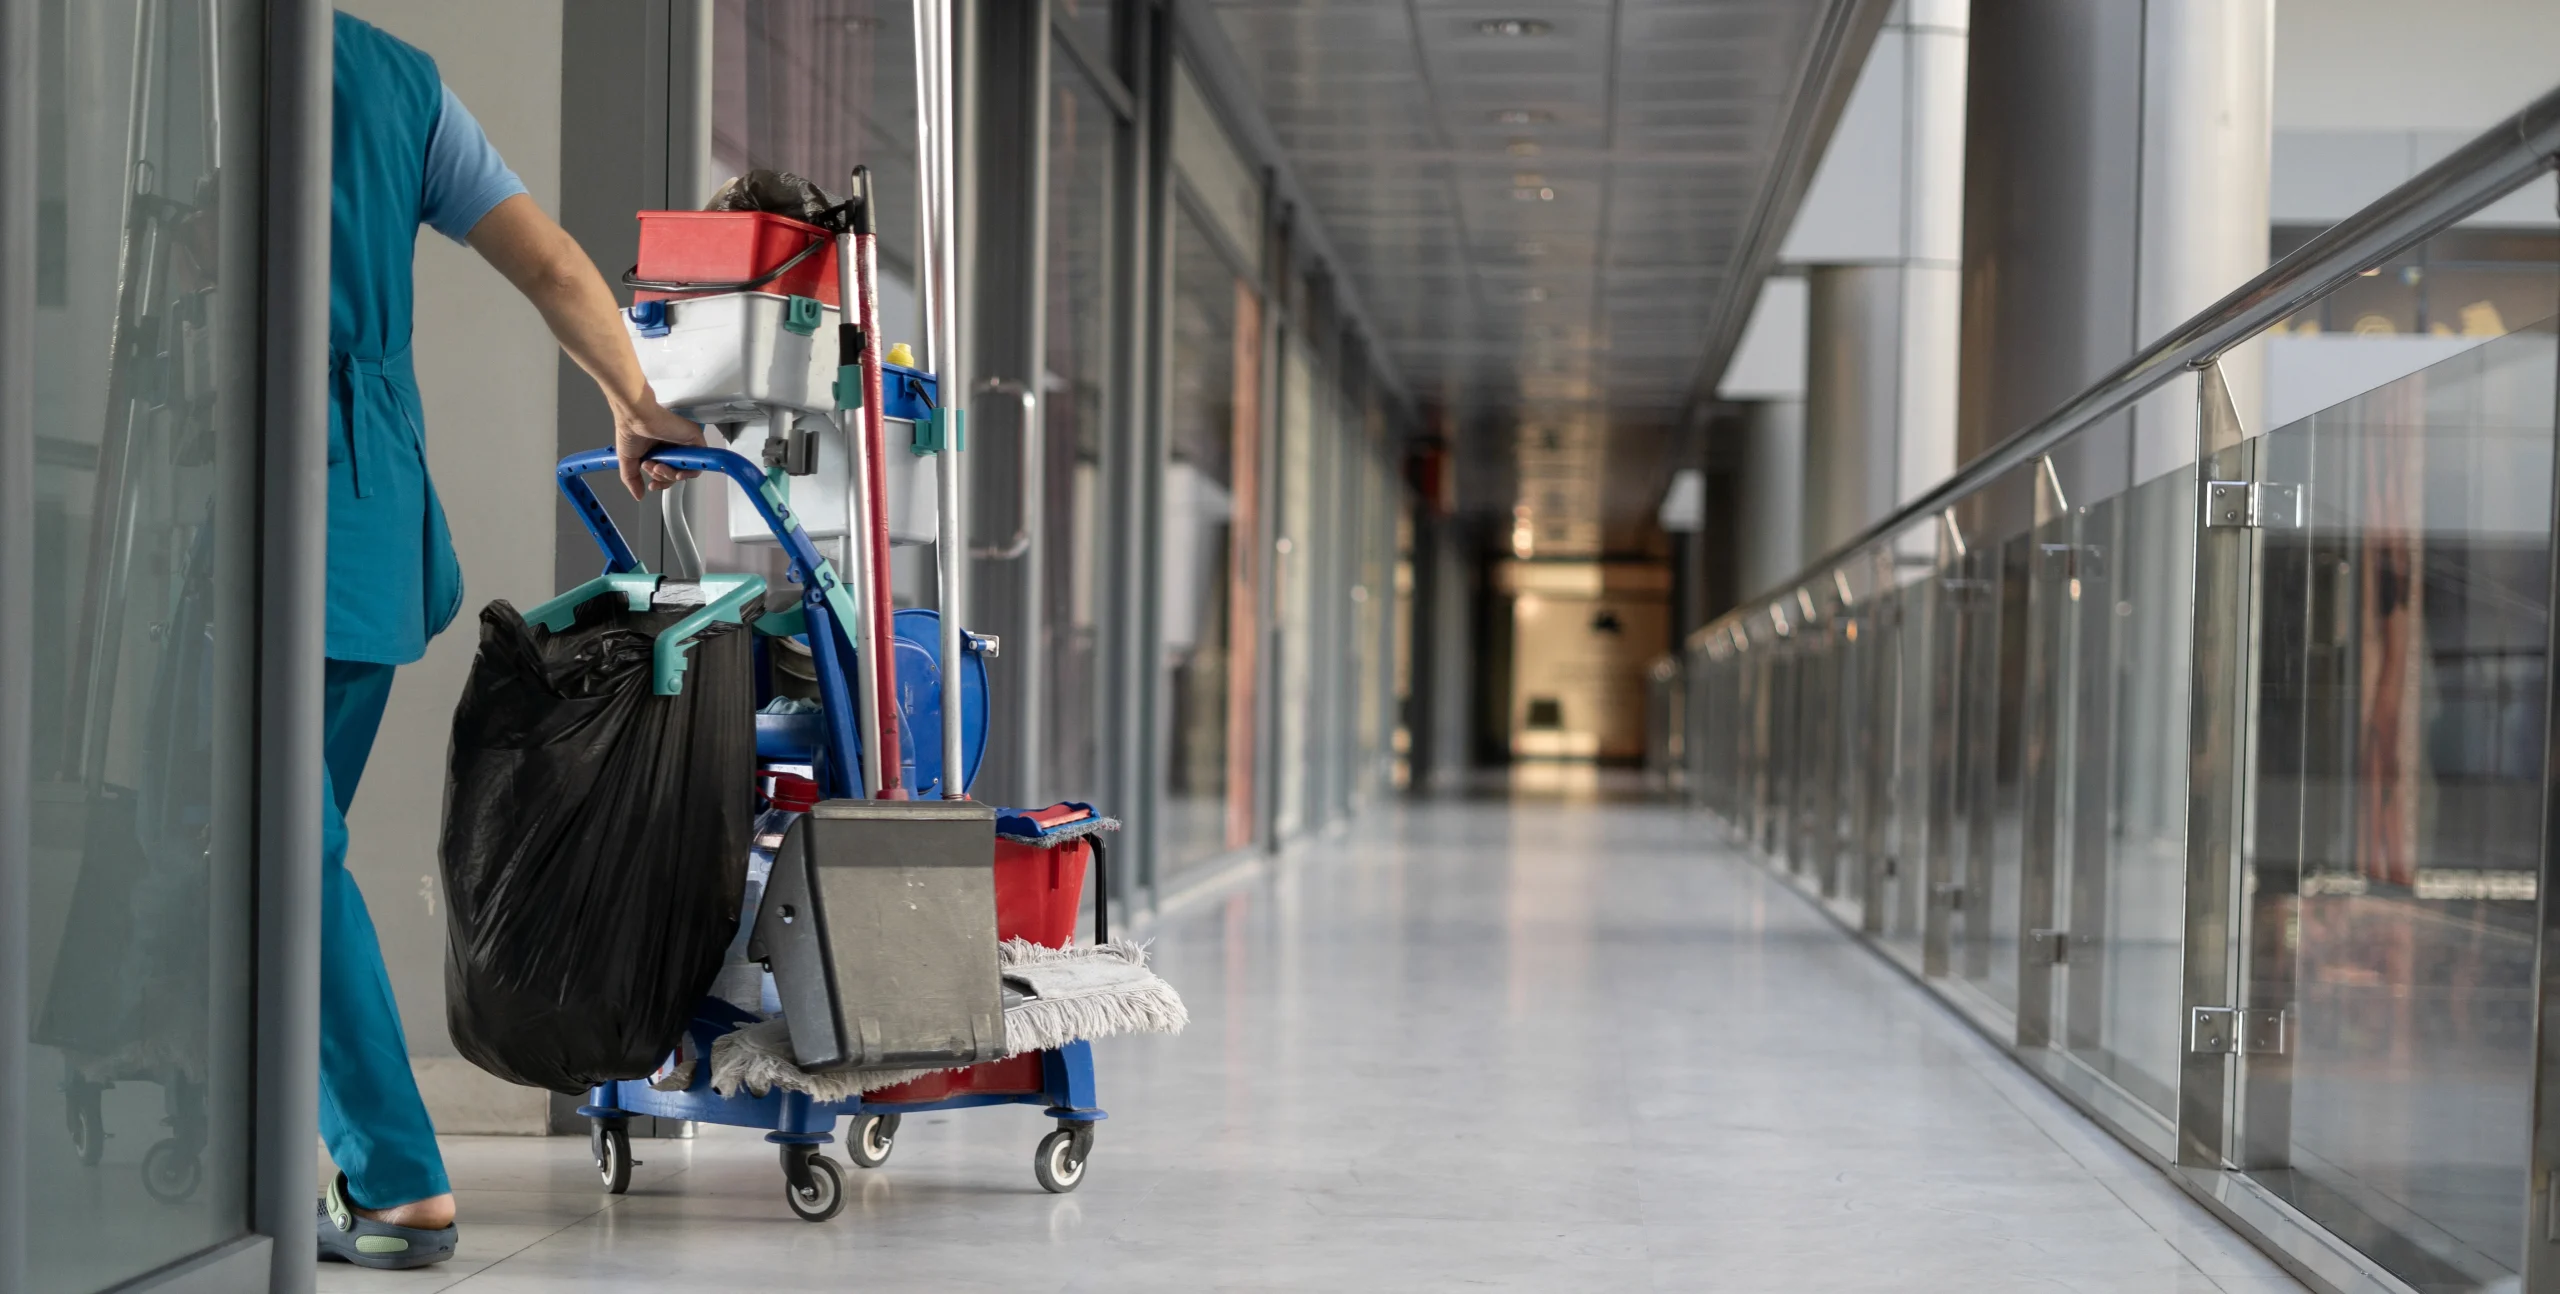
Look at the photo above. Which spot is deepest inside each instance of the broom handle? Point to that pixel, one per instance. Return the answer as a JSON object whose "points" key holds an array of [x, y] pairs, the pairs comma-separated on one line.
{"points": [[938, 297], [857, 553], [883, 664]]}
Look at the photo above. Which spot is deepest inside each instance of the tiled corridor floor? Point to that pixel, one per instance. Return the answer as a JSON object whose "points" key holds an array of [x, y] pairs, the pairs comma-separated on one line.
{"points": [[1535, 1046]]}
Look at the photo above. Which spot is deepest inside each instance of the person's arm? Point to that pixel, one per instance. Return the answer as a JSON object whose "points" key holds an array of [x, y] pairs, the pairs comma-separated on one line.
{"points": [[552, 271]]}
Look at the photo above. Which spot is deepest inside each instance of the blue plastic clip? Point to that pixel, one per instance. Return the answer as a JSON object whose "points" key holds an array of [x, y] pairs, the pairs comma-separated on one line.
{"points": [[802, 315], [651, 318]]}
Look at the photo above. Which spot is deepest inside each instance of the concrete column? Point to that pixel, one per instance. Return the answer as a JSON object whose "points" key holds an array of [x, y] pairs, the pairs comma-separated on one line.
{"points": [[1882, 232], [1852, 400], [1937, 57], [1771, 526], [2053, 131], [2207, 162], [2115, 181]]}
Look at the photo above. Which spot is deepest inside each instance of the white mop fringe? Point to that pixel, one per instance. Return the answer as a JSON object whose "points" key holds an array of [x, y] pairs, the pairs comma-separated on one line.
{"points": [[1082, 991]]}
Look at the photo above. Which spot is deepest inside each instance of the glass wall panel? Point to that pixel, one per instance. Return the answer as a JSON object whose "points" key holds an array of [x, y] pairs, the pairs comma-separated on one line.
{"points": [[1400, 668], [1096, 24], [1812, 662], [1913, 664], [816, 87], [1371, 598], [1082, 214], [1293, 571], [1209, 488], [145, 530], [1993, 596], [1226, 183], [1338, 527], [2398, 793], [2121, 880]]}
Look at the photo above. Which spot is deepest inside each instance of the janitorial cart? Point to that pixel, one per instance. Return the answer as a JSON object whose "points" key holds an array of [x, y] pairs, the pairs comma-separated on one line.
{"points": [[899, 947]]}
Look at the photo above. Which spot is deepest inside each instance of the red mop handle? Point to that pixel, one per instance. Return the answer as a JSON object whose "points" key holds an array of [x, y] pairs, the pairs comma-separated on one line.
{"points": [[875, 487]]}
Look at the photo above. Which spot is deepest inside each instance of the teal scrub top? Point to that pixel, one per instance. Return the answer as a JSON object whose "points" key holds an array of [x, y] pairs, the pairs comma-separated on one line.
{"points": [[393, 580]]}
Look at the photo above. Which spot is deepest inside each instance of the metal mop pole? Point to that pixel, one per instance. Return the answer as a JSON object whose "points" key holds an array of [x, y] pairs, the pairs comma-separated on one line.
{"points": [[858, 568], [942, 357], [858, 272]]}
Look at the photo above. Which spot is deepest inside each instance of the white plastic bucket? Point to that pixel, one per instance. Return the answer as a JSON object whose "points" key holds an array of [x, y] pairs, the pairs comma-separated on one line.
{"points": [[718, 358], [824, 499], [728, 360]]}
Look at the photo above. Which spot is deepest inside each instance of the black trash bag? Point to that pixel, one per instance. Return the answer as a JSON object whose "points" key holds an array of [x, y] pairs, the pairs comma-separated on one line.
{"points": [[595, 842], [778, 192]]}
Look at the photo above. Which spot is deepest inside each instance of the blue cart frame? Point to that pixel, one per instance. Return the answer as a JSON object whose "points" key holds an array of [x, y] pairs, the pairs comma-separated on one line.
{"points": [[794, 1121]]}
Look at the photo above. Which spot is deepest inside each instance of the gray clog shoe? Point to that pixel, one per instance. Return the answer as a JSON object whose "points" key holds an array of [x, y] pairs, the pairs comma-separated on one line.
{"points": [[349, 1237]]}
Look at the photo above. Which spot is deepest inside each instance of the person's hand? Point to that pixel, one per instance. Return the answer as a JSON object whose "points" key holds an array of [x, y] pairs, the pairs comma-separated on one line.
{"points": [[643, 430]]}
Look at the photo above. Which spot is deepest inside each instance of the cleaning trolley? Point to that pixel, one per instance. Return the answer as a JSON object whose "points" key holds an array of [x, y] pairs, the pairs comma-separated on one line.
{"points": [[900, 947], [897, 956]]}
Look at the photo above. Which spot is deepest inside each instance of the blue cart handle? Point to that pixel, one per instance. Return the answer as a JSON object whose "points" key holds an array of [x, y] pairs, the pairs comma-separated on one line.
{"points": [[770, 501], [824, 599]]}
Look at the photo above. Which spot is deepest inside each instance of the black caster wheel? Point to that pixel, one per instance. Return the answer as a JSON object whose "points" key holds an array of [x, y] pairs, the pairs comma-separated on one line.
{"points": [[172, 1171], [812, 1185], [1059, 1162], [872, 1140], [84, 1116], [611, 1144]]}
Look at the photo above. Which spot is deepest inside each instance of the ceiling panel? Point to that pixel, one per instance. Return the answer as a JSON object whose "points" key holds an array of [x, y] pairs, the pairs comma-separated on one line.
{"points": [[1542, 205]]}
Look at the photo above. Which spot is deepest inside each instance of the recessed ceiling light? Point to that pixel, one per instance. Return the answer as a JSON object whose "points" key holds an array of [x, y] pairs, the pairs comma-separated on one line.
{"points": [[1523, 116], [1532, 193], [1514, 27]]}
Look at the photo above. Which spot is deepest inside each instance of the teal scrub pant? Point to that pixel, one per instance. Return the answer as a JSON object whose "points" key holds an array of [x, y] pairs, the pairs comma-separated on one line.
{"points": [[371, 1116]]}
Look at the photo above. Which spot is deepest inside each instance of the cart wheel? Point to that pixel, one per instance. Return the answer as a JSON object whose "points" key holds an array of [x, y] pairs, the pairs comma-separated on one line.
{"points": [[872, 1140], [1059, 1163], [83, 1114], [172, 1171], [612, 1145], [823, 1197]]}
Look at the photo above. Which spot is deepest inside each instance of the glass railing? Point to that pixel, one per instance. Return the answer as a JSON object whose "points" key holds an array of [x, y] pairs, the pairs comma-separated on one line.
{"points": [[2195, 747]]}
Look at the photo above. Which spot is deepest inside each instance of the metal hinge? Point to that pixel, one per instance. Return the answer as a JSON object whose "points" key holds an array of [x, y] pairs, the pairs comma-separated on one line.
{"points": [[2256, 505], [2225, 1031], [1949, 893], [2052, 947]]}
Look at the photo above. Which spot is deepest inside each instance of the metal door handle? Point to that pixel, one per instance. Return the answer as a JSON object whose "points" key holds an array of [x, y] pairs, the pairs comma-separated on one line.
{"points": [[1020, 543]]}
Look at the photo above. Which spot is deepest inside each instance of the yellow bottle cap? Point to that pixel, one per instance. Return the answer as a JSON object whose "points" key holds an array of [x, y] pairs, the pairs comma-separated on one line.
{"points": [[902, 356]]}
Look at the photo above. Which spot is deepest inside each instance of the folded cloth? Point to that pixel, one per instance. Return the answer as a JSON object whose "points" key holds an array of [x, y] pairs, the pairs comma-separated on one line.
{"points": [[1055, 996]]}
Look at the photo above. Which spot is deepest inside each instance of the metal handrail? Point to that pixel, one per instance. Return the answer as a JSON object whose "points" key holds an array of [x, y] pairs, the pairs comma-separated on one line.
{"points": [[2498, 162]]}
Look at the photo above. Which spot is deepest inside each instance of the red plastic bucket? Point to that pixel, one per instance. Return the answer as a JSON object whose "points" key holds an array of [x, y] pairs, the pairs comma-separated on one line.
{"points": [[718, 248], [1038, 890]]}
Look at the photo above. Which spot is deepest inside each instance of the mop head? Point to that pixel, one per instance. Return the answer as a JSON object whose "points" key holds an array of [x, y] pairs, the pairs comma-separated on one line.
{"points": [[1083, 991], [1054, 996]]}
